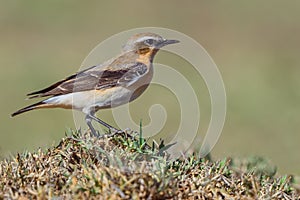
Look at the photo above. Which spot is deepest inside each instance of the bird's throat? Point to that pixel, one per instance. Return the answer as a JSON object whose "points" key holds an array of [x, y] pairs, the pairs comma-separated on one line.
{"points": [[146, 55]]}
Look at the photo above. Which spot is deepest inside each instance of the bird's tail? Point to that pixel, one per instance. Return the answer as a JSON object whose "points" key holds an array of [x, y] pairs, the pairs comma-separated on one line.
{"points": [[38, 105]]}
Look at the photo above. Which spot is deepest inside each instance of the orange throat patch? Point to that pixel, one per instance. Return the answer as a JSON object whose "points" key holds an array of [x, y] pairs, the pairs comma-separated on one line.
{"points": [[146, 55]]}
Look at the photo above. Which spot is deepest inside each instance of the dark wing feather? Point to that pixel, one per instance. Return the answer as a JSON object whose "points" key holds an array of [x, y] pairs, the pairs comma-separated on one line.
{"points": [[50, 88], [133, 74], [95, 80], [55, 85]]}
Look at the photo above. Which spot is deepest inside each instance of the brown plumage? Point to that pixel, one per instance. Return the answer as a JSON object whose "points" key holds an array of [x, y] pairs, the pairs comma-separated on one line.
{"points": [[111, 84]]}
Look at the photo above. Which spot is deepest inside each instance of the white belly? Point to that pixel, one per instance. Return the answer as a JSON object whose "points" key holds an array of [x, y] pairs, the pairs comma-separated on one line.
{"points": [[88, 100]]}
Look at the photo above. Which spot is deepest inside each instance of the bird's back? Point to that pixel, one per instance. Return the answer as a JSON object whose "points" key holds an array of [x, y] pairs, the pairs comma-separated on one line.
{"points": [[95, 77]]}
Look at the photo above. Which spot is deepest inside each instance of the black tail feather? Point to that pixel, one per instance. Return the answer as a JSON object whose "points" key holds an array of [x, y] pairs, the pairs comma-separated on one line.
{"points": [[28, 108]]}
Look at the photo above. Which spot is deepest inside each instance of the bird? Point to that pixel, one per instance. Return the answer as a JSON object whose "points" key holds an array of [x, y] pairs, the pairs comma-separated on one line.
{"points": [[115, 82]]}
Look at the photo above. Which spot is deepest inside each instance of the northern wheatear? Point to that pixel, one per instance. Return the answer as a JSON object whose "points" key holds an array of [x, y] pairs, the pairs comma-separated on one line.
{"points": [[113, 83]]}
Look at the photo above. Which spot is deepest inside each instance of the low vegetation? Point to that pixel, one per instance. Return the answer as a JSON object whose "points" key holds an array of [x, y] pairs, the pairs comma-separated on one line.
{"points": [[121, 167]]}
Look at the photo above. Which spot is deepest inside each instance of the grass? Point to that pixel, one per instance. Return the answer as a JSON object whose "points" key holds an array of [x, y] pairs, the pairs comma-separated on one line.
{"points": [[122, 167]]}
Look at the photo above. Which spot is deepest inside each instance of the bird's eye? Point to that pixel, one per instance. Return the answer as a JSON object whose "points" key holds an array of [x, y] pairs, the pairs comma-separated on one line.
{"points": [[149, 41]]}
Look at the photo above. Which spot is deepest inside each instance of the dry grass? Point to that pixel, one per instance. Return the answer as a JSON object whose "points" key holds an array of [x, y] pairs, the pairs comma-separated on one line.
{"points": [[82, 167]]}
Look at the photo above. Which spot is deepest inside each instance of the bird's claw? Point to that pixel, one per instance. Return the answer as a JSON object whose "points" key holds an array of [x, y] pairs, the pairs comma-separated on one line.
{"points": [[112, 132]]}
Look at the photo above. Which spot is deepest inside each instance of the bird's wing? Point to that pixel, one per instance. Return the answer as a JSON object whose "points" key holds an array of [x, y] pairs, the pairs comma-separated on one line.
{"points": [[95, 80], [57, 84]]}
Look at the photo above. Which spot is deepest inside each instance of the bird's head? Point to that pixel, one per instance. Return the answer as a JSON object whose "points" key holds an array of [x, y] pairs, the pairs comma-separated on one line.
{"points": [[146, 42]]}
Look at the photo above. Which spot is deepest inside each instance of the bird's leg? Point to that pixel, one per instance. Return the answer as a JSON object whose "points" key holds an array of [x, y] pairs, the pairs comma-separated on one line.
{"points": [[103, 123], [88, 121], [113, 131]]}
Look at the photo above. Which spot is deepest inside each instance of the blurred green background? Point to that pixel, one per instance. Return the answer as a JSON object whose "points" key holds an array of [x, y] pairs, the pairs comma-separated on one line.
{"points": [[255, 44]]}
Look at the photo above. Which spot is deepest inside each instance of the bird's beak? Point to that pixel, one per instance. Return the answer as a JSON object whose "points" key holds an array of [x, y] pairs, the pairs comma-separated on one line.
{"points": [[167, 42]]}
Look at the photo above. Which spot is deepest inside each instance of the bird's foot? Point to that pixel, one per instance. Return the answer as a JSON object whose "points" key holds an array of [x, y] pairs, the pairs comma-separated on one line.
{"points": [[113, 132], [94, 133]]}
